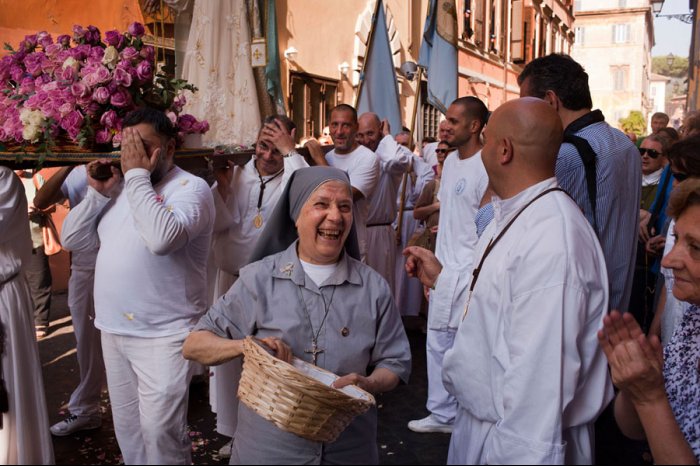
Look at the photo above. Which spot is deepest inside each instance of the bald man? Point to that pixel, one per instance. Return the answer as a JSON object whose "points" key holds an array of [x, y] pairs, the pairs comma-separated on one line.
{"points": [[525, 369], [394, 159]]}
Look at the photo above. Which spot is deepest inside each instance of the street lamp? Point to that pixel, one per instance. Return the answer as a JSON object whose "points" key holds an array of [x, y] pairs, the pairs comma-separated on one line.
{"points": [[670, 59], [656, 6]]}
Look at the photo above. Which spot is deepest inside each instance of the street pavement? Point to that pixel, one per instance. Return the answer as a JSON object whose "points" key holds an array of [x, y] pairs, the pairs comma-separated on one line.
{"points": [[397, 444]]}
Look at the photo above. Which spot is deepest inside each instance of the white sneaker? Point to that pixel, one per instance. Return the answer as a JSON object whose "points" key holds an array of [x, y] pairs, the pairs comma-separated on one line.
{"points": [[74, 423], [225, 451], [429, 424]]}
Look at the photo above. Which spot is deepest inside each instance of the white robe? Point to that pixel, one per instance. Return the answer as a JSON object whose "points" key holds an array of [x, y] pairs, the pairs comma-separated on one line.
{"points": [[409, 291], [234, 238], [526, 368], [381, 240], [217, 61], [24, 437]]}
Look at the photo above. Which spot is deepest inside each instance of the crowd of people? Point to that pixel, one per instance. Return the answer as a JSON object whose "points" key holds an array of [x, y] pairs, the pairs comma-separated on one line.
{"points": [[550, 255]]}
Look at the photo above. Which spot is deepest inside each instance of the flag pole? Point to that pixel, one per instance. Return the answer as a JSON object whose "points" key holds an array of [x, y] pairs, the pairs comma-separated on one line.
{"points": [[370, 36], [402, 206]]}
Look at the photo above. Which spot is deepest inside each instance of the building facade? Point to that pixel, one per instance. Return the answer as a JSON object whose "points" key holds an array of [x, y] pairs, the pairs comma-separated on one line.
{"points": [[613, 41]]}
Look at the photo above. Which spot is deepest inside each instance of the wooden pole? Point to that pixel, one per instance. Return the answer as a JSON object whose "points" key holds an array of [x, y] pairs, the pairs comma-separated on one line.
{"points": [[402, 205]]}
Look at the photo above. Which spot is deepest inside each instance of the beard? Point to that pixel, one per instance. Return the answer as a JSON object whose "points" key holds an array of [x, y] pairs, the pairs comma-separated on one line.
{"points": [[161, 169]]}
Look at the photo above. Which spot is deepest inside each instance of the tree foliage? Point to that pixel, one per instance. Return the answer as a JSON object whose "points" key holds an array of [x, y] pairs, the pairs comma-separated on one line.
{"points": [[678, 68], [634, 123]]}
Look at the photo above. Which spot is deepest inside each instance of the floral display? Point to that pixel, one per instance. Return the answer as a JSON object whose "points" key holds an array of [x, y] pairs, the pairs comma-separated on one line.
{"points": [[81, 87]]}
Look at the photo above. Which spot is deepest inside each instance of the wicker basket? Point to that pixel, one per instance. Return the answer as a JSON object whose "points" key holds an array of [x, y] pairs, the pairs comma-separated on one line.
{"points": [[295, 402]]}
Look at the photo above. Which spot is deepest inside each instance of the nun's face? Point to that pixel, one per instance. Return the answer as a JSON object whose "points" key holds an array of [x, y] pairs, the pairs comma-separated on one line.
{"points": [[324, 223]]}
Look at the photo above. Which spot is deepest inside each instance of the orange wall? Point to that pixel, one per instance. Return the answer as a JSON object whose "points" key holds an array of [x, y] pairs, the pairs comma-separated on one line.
{"points": [[21, 18]]}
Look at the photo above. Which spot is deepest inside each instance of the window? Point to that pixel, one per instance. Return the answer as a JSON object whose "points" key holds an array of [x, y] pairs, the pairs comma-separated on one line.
{"points": [[577, 5], [621, 33], [311, 102], [619, 75], [580, 37], [479, 20], [429, 114], [518, 33], [467, 31]]}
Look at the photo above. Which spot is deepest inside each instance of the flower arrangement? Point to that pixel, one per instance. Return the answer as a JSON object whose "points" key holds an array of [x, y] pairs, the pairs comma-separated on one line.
{"points": [[81, 87]]}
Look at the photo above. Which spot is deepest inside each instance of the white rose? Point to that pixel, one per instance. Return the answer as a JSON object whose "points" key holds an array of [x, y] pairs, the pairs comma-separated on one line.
{"points": [[31, 133], [31, 117], [72, 62], [111, 57]]}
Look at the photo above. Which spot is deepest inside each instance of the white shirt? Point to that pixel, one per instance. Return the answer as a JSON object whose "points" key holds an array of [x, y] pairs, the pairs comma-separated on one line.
{"points": [[74, 188], [362, 167], [235, 233], [462, 187], [319, 273], [393, 162], [526, 357], [150, 275]]}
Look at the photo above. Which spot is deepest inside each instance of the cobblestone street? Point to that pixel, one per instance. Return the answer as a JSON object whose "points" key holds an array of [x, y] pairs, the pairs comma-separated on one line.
{"points": [[397, 445]]}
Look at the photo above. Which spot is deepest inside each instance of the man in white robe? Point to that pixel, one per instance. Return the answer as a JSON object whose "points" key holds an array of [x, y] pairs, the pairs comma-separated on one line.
{"points": [[394, 160], [244, 197], [525, 367], [358, 162], [462, 187], [24, 436], [409, 291], [154, 234]]}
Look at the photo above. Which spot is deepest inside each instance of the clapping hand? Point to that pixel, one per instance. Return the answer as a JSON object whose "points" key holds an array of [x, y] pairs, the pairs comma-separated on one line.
{"points": [[636, 362]]}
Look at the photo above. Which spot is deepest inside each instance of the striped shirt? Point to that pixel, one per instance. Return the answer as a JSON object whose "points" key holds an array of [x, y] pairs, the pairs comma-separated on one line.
{"points": [[619, 175]]}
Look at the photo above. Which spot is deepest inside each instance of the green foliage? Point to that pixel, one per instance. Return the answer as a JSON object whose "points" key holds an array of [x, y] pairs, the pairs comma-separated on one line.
{"points": [[678, 68], [634, 123]]}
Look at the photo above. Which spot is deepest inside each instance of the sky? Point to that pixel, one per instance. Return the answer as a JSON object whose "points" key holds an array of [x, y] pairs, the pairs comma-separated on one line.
{"points": [[672, 35]]}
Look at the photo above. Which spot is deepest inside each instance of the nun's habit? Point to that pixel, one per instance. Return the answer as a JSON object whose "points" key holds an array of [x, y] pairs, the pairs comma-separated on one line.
{"points": [[275, 298]]}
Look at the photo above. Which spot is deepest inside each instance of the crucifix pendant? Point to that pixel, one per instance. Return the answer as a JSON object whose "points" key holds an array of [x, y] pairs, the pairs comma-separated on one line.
{"points": [[314, 351]]}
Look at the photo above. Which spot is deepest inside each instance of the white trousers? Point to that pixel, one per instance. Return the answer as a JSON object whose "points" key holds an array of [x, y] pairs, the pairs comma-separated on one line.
{"points": [[223, 385], [441, 404], [148, 381], [381, 252], [85, 400]]}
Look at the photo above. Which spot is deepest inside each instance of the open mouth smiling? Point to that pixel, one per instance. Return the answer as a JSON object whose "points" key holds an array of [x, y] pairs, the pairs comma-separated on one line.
{"points": [[329, 234]]}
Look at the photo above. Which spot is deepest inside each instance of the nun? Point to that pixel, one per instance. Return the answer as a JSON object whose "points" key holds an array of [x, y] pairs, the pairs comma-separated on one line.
{"points": [[307, 294]]}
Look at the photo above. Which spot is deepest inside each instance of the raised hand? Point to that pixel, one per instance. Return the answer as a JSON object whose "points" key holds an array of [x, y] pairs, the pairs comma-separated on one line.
{"points": [[104, 187], [276, 134], [133, 152]]}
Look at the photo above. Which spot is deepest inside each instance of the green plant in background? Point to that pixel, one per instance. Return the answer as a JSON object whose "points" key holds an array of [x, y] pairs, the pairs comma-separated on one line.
{"points": [[634, 123]]}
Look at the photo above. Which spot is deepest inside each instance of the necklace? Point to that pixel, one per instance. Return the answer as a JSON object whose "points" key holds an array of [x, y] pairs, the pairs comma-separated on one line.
{"points": [[315, 350], [258, 220], [494, 241]]}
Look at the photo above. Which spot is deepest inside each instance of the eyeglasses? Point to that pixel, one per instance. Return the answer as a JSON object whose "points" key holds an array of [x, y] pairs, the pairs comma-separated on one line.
{"points": [[680, 177], [650, 152]]}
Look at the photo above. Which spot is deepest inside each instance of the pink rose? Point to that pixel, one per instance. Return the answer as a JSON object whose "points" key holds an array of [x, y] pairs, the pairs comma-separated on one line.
{"points": [[27, 86], [65, 109], [79, 89], [129, 53], [172, 117], [103, 136], [78, 34], [29, 43], [136, 29], [80, 52], [120, 99], [72, 123], [122, 77], [96, 54], [148, 52], [92, 35], [185, 123], [144, 71], [53, 50], [16, 73], [109, 119], [97, 75], [101, 95], [114, 39], [44, 39], [33, 63], [69, 74], [64, 40], [202, 127]]}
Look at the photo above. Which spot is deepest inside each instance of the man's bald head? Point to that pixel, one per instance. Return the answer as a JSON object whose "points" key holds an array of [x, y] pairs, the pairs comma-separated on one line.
{"points": [[522, 138], [369, 132]]}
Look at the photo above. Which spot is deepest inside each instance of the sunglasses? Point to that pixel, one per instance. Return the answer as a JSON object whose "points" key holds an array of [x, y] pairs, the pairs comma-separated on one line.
{"points": [[650, 152], [680, 177], [442, 151]]}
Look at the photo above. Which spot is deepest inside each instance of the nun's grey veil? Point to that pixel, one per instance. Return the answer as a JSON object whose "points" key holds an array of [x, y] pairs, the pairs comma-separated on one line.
{"points": [[280, 231]]}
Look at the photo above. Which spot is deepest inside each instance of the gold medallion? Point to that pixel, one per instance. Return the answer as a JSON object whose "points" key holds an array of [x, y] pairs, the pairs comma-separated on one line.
{"points": [[258, 221]]}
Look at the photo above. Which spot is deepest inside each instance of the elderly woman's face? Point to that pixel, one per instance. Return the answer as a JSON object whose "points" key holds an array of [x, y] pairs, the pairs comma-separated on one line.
{"points": [[324, 223], [684, 258]]}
